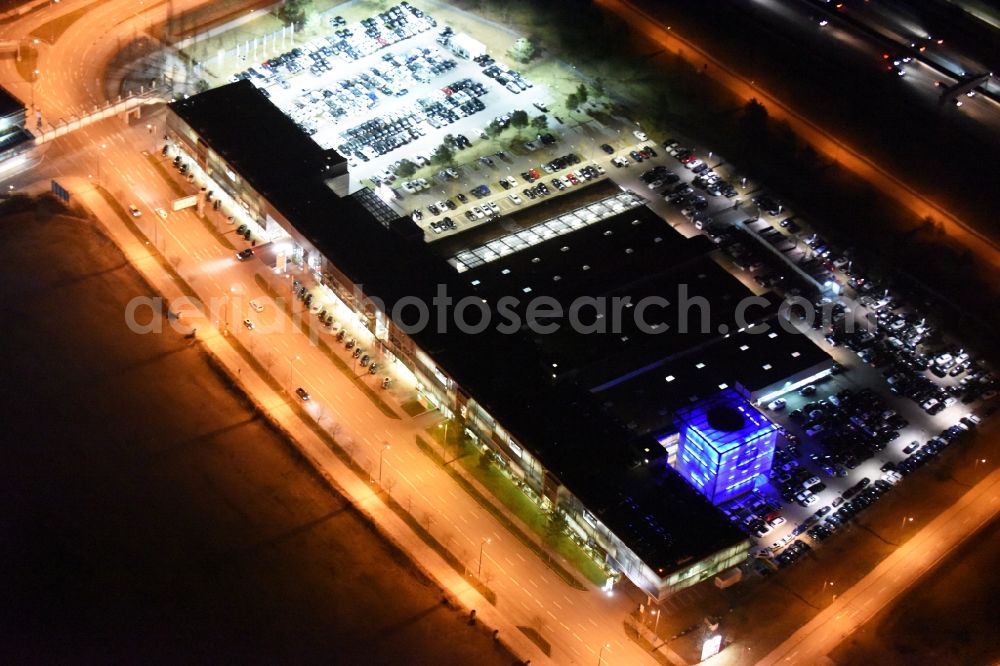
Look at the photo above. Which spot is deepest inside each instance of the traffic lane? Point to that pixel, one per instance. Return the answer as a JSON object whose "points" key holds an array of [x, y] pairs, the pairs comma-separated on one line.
{"points": [[891, 577], [829, 90], [444, 504]]}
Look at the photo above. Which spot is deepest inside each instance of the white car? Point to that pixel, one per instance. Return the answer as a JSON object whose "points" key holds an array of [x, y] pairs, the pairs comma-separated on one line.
{"points": [[515, 199], [256, 306], [248, 324], [693, 164], [639, 134], [162, 213], [777, 405], [478, 212], [492, 205]]}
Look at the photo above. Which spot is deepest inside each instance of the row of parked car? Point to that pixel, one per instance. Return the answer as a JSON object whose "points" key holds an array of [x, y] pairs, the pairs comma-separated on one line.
{"points": [[385, 133]]}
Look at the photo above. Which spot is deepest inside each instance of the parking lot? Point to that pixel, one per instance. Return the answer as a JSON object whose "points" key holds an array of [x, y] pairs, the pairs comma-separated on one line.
{"points": [[901, 393], [388, 87]]}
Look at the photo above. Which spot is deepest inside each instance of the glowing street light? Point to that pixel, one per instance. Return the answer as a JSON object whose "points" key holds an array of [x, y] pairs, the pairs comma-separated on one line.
{"points": [[600, 655], [482, 545]]}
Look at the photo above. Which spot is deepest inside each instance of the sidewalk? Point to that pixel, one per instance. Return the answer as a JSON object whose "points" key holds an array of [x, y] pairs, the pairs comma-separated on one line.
{"points": [[278, 408]]}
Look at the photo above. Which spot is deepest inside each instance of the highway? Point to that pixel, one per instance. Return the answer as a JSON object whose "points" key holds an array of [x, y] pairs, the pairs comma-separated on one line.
{"points": [[833, 146], [903, 568]]}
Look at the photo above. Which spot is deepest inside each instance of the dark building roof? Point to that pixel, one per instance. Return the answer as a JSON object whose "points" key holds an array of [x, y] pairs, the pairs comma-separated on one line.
{"points": [[579, 402], [9, 104]]}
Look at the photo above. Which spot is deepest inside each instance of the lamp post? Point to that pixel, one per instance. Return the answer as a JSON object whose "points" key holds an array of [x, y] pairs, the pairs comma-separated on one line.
{"points": [[656, 625], [291, 369], [482, 545], [906, 519], [600, 655], [978, 460], [99, 153], [34, 80], [381, 457]]}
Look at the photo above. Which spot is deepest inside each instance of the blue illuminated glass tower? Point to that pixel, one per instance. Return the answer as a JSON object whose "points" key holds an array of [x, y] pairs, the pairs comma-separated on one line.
{"points": [[725, 444]]}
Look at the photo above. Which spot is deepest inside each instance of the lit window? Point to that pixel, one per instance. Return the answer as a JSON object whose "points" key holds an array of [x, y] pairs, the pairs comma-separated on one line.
{"points": [[766, 366], [506, 271], [796, 354], [744, 347], [723, 386], [699, 365], [670, 378], [526, 290], [772, 335], [475, 283]]}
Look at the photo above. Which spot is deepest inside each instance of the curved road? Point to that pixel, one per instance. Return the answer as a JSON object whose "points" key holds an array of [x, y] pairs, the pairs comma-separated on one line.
{"points": [[821, 140]]}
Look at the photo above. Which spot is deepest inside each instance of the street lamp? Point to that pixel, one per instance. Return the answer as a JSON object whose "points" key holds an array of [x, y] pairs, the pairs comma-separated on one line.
{"points": [[656, 625], [978, 460], [600, 655], [381, 456], [290, 369], [99, 153], [34, 80], [482, 545]]}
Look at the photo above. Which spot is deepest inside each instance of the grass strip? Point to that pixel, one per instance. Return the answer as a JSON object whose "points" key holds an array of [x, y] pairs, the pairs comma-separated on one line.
{"points": [[51, 31], [502, 517]]}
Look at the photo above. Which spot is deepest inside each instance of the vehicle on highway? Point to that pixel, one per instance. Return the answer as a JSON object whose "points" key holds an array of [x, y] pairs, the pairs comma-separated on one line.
{"points": [[134, 211], [248, 324], [243, 255], [302, 393]]}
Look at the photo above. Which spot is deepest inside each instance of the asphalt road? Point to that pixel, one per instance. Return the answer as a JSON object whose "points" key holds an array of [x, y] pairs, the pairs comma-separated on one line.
{"points": [[891, 577], [149, 513], [576, 623], [841, 100]]}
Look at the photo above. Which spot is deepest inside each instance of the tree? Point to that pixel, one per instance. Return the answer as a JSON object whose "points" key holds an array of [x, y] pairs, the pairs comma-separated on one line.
{"points": [[581, 92], [754, 123], [443, 155], [522, 50], [556, 525], [494, 129], [519, 119], [406, 168], [573, 101], [293, 12], [540, 122]]}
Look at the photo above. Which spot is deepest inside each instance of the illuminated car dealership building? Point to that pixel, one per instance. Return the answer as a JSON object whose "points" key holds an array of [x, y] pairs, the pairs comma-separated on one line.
{"points": [[586, 422], [725, 446]]}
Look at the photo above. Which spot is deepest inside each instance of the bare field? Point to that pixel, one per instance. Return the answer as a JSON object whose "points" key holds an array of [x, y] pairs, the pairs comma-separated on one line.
{"points": [[148, 513]]}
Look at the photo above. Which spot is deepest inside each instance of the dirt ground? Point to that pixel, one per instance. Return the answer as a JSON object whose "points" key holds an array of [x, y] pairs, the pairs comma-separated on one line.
{"points": [[148, 513], [947, 619]]}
